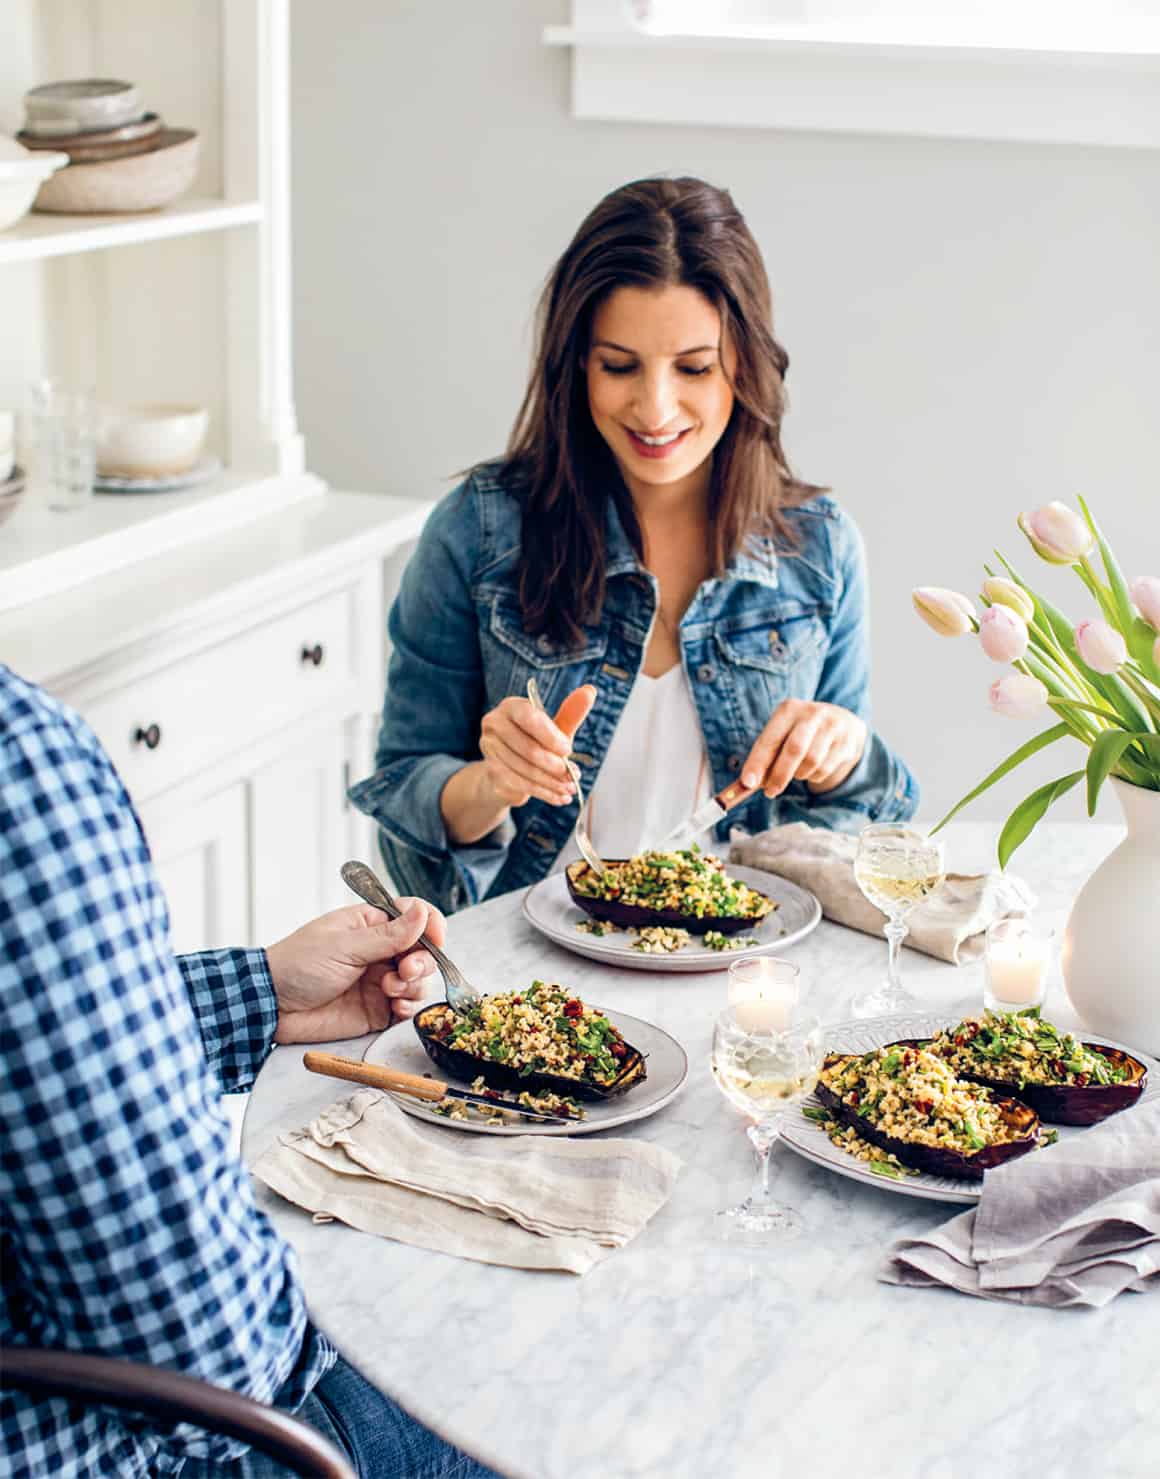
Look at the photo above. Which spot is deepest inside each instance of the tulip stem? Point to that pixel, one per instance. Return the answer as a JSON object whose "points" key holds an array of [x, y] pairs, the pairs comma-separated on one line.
{"points": [[1143, 691]]}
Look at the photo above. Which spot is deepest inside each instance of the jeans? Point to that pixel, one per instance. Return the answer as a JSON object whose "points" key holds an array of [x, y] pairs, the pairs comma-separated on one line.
{"points": [[378, 1438]]}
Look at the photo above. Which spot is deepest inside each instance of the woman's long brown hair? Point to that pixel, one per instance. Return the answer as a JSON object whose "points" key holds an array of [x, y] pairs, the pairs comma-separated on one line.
{"points": [[652, 233]]}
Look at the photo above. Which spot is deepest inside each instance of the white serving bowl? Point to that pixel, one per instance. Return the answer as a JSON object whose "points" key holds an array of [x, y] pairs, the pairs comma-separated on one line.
{"points": [[150, 441], [83, 106], [140, 182], [22, 172]]}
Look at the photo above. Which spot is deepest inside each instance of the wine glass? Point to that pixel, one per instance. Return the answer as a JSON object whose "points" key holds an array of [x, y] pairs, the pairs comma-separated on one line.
{"points": [[896, 868], [763, 1071]]}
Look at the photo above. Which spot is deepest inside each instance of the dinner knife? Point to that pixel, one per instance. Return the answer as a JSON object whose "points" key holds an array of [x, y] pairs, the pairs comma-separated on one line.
{"points": [[396, 1082], [708, 814]]}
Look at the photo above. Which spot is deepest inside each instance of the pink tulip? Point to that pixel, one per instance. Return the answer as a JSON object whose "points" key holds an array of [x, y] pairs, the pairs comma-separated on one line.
{"points": [[1146, 594], [948, 612], [1002, 592], [1003, 635], [1018, 696], [1100, 646], [1057, 533]]}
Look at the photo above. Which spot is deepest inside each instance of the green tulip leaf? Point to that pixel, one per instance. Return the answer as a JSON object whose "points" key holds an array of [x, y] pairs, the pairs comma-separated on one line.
{"points": [[1106, 753], [1020, 824], [1024, 752], [1124, 615]]}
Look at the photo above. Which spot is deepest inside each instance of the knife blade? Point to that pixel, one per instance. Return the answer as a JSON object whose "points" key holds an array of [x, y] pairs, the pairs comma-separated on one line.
{"points": [[707, 815], [394, 1081]]}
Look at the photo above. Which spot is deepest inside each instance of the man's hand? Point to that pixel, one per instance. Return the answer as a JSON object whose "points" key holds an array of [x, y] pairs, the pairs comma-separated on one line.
{"points": [[352, 971], [806, 741]]}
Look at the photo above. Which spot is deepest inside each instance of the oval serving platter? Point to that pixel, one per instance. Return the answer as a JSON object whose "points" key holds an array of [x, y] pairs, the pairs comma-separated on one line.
{"points": [[810, 1141]]}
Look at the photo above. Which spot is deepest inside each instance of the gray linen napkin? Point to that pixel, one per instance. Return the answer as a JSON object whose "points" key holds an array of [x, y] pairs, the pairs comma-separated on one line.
{"points": [[527, 1201], [1075, 1224], [950, 925]]}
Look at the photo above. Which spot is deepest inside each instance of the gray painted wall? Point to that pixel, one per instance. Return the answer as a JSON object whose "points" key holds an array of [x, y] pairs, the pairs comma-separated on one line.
{"points": [[974, 328]]}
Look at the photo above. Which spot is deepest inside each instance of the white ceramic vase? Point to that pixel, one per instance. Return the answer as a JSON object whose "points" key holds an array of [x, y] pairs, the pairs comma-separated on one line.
{"points": [[1111, 947]]}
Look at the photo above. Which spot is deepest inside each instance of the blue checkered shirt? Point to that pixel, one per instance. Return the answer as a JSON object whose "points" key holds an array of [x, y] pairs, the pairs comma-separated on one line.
{"points": [[128, 1227]]}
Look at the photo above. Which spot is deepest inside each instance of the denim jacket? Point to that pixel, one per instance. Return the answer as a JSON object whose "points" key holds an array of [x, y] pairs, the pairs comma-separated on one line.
{"points": [[781, 623]]}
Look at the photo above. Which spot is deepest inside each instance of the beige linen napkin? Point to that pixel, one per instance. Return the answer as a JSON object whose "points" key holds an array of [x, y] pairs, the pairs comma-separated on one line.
{"points": [[1075, 1224], [950, 925], [528, 1201]]}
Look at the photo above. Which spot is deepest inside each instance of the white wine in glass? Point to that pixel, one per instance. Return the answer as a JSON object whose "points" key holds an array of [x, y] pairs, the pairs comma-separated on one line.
{"points": [[763, 1072], [896, 868]]}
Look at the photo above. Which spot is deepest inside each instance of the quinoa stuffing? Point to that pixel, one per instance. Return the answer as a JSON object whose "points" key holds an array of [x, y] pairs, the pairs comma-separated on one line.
{"points": [[845, 1137], [598, 927], [659, 939], [543, 1029], [1019, 1048], [913, 1095], [562, 1106], [689, 882], [715, 940]]}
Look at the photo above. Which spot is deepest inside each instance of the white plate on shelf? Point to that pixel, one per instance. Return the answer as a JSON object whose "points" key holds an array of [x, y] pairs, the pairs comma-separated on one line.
{"points": [[201, 472], [809, 1139], [548, 907], [667, 1067]]}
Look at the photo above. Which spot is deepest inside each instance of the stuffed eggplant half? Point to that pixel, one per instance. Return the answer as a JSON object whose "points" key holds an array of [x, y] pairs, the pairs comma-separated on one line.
{"points": [[1065, 1081], [910, 1103], [687, 890], [542, 1038]]}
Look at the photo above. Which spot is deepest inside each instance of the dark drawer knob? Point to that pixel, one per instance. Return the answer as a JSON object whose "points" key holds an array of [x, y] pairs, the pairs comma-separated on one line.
{"points": [[150, 737], [313, 654]]}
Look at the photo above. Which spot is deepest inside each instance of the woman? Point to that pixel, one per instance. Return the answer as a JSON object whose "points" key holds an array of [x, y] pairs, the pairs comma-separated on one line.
{"points": [[643, 552]]}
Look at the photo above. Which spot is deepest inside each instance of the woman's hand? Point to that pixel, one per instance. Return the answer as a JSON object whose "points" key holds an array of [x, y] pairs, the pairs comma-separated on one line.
{"points": [[805, 741], [523, 749], [352, 971]]}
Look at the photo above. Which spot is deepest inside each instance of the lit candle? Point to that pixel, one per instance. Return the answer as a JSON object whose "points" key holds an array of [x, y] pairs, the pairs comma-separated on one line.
{"points": [[1017, 964], [763, 993]]}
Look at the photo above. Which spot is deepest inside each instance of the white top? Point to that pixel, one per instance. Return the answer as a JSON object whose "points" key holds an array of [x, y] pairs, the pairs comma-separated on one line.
{"points": [[656, 772]]}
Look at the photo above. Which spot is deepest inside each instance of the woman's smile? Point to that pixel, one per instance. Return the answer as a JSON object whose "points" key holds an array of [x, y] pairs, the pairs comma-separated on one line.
{"points": [[658, 445]]}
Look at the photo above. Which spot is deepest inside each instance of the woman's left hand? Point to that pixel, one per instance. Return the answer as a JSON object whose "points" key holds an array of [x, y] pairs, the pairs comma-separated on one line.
{"points": [[805, 741]]}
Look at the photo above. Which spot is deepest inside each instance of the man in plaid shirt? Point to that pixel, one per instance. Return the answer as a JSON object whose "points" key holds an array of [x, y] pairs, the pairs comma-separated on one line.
{"points": [[129, 1229]]}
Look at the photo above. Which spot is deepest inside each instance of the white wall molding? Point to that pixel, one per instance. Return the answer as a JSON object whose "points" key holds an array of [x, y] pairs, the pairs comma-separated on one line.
{"points": [[838, 80]]}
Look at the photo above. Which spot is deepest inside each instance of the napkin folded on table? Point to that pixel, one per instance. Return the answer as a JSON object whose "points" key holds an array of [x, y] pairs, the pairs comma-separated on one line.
{"points": [[527, 1201], [950, 925], [1075, 1224]]}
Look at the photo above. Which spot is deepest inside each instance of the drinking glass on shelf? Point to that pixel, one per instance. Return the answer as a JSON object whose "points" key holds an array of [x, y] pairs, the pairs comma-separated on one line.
{"points": [[1016, 964], [764, 1071], [896, 867], [60, 433]]}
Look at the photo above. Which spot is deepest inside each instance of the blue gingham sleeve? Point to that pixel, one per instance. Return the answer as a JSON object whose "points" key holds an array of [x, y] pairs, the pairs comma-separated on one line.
{"points": [[233, 1001], [129, 1227]]}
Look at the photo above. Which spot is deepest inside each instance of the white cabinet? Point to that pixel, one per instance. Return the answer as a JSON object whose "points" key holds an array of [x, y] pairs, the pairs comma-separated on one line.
{"points": [[298, 836], [225, 642], [200, 854]]}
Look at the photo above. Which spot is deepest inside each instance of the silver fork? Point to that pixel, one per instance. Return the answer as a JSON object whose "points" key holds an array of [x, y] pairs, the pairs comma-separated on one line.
{"points": [[580, 831], [461, 994]]}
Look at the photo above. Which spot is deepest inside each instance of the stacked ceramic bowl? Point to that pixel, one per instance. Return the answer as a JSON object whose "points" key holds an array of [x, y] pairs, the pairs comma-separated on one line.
{"points": [[120, 156]]}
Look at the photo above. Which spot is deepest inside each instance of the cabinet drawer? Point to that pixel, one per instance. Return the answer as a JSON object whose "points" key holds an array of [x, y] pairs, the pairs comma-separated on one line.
{"points": [[169, 725]]}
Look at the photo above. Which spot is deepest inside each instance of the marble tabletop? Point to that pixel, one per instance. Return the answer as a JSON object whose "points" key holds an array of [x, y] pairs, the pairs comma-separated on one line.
{"points": [[687, 1357]]}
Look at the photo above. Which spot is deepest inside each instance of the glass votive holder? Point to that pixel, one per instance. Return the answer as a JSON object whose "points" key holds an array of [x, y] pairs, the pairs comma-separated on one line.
{"points": [[763, 993], [1017, 961]]}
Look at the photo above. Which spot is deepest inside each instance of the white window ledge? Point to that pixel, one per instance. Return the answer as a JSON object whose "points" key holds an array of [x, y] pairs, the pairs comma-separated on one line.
{"points": [[1072, 89]]}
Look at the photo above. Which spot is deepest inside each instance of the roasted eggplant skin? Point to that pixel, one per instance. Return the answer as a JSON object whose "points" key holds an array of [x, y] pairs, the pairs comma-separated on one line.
{"points": [[633, 916], [1075, 1104], [937, 1160], [463, 1065]]}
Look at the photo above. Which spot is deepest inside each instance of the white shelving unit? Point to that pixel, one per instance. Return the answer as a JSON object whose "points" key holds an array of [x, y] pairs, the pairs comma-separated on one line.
{"points": [[224, 642]]}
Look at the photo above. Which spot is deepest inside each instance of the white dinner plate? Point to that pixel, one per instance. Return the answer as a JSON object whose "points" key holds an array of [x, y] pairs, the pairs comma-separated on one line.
{"points": [[548, 907], [201, 472], [667, 1067], [809, 1139]]}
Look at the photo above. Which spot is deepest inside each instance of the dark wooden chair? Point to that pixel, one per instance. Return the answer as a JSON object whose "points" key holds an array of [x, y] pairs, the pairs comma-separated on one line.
{"points": [[171, 1397]]}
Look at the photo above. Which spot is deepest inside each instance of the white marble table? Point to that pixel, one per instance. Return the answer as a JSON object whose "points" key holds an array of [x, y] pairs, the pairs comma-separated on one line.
{"points": [[688, 1358]]}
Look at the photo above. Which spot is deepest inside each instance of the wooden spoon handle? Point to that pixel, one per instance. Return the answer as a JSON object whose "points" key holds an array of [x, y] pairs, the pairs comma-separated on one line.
{"points": [[372, 1073]]}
